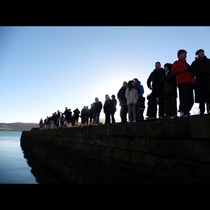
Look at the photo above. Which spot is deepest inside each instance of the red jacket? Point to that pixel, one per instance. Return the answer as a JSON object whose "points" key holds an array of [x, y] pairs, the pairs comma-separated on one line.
{"points": [[180, 69]]}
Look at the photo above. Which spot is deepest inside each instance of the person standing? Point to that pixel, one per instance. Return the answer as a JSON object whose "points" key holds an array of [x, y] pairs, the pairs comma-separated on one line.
{"points": [[113, 108], [96, 110], [131, 95], [140, 103], [185, 82], [169, 92], [156, 98], [123, 102], [107, 109], [200, 67]]}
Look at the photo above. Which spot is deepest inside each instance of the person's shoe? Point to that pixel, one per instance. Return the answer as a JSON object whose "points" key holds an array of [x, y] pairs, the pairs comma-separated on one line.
{"points": [[181, 114], [173, 117]]}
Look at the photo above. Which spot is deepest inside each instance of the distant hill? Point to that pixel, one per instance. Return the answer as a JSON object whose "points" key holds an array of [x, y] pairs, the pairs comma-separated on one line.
{"points": [[18, 126]]}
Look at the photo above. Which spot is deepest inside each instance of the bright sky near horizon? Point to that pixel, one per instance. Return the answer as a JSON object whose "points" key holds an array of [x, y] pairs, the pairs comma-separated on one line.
{"points": [[47, 68]]}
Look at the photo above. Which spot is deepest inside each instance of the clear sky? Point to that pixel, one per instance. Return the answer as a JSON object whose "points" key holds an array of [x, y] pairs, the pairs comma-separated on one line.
{"points": [[44, 69]]}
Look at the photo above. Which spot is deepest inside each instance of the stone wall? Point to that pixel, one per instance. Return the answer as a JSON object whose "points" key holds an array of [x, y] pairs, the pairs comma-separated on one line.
{"points": [[152, 151]]}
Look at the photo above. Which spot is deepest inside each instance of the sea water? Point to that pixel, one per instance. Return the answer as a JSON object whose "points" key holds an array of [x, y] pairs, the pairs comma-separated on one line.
{"points": [[14, 168]]}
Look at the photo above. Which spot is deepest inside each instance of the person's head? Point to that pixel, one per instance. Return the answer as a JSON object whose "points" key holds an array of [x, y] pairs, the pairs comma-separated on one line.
{"points": [[96, 99], [125, 84], [113, 96], [200, 53], [107, 97], [130, 84], [135, 81], [167, 67], [157, 65], [182, 54]]}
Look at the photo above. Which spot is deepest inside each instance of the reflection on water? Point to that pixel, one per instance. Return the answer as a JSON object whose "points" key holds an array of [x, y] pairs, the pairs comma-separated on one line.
{"points": [[42, 174], [18, 166], [13, 166]]}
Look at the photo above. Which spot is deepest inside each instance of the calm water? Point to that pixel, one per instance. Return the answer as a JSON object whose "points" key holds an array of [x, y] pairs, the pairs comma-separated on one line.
{"points": [[14, 168]]}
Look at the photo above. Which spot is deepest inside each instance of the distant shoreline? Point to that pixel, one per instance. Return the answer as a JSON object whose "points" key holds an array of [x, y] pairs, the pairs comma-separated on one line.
{"points": [[17, 126]]}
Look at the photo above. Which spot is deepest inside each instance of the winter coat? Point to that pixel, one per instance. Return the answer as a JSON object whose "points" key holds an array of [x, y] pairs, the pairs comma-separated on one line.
{"points": [[121, 96], [113, 106], [131, 96], [180, 69], [155, 78], [107, 106], [169, 85], [201, 70]]}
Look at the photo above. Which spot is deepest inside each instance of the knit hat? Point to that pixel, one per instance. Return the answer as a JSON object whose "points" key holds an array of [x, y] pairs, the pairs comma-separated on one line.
{"points": [[180, 52], [198, 51]]}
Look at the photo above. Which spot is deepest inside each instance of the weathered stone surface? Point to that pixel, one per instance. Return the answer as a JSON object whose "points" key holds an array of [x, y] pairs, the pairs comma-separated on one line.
{"points": [[180, 166], [155, 129], [176, 128], [199, 127], [156, 151], [202, 172], [139, 144], [155, 162], [158, 147], [121, 142], [119, 129], [181, 148], [136, 157], [136, 129], [121, 155]]}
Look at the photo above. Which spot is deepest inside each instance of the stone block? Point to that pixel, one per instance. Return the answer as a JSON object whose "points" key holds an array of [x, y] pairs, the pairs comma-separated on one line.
{"points": [[155, 162], [136, 157], [136, 129], [158, 147], [201, 150], [199, 127], [155, 129], [121, 155], [181, 148], [176, 128], [139, 144]]}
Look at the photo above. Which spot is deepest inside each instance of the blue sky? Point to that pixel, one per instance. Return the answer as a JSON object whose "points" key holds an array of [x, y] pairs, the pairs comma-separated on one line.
{"points": [[44, 69]]}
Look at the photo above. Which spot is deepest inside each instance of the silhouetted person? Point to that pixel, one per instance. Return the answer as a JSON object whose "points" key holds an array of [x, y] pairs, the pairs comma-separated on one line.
{"points": [[200, 67], [41, 124], [140, 103], [96, 109], [107, 109], [154, 83], [140, 90], [123, 102], [169, 92], [185, 82], [113, 108], [131, 95], [84, 115]]}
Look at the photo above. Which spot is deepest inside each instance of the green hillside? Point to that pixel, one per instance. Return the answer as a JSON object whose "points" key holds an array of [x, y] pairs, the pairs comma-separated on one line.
{"points": [[18, 126]]}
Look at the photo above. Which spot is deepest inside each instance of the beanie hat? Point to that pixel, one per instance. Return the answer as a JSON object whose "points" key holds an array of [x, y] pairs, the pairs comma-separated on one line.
{"points": [[198, 51], [180, 52]]}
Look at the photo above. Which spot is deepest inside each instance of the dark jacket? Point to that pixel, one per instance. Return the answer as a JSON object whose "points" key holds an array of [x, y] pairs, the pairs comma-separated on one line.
{"points": [[154, 80], [201, 70], [97, 106], [169, 85], [107, 106], [113, 106], [121, 96]]}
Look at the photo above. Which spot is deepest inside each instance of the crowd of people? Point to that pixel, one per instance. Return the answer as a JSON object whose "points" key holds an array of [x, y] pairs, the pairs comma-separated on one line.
{"points": [[192, 82]]}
